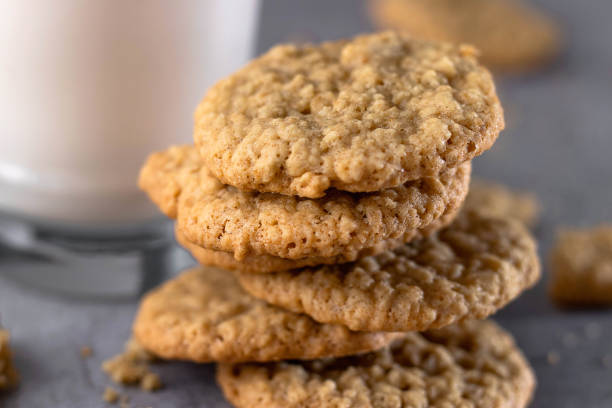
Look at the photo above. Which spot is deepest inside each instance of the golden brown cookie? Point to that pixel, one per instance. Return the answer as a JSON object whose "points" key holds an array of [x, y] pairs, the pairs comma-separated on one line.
{"points": [[8, 374], [270, 264], [466, 271], [581, 266], [358, 115], [510, 34], [474, 364], [341, 224], [495, 200], [204, 315]]}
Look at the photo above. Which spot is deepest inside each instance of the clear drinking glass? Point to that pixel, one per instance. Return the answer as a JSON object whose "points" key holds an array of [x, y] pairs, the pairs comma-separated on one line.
{"points": [[89, 88]]}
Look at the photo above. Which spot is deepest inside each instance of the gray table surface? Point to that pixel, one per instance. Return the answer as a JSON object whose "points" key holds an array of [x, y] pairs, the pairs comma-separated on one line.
{"points": [[558, 143]]}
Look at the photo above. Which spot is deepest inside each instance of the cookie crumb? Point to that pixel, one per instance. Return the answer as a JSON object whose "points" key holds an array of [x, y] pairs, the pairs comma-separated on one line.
{"points": [[592, 331], [570, 340], [8, 374], [132, 367], [86, 352], [553, 357], [110, 395], [150, 382], [136, 352]]}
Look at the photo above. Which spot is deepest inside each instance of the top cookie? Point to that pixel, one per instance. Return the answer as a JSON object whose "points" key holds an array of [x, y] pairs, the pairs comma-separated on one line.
{"points": [[474, 364], [358, 115], [510, 34]]}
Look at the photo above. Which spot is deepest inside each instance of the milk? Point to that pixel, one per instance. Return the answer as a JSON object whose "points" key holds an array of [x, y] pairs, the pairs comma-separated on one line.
{"points": [[89, 87]]}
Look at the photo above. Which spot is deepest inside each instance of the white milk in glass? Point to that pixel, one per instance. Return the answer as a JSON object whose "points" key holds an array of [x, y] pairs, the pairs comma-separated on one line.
{"points": [[89, 87]]}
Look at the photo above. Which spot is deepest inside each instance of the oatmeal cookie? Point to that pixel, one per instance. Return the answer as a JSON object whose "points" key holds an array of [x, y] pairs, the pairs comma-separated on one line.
{"points": [[496, 200], [466, 271], [270, 264], [473, 364], [204, 315], [358, 115], [341, 224], [581, 266], [510, 34]]}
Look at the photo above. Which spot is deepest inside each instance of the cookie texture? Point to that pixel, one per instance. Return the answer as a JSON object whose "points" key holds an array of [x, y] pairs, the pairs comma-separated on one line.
{"points": [[204, 315], [8, 374], [510, 34], [474, 364], [466, 271], [357, 115], [341, 224], [581, 266], [270, 264], [496, 200]]}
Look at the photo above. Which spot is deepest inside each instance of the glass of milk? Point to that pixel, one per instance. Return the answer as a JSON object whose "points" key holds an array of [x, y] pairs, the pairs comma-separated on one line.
{"points": [[88, 89]]}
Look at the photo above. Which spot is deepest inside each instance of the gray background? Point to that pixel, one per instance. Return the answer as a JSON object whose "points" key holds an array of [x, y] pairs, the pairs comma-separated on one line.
{"points": [[557, 143]]}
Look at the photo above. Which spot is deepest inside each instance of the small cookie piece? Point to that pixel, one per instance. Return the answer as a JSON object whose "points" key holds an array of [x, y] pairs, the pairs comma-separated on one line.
{"points": [[466, 271], [204, 315], [474, 364], [8, 375], [132, 367], [270, 264], [581, 267], [496, 200], [511, 35], [341, 224], [357, 115]]}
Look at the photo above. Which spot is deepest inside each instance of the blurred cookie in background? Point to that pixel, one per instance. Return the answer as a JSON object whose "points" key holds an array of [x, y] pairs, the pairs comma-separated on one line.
{"points": [[511, 34], [496, 200], [581, 267]]}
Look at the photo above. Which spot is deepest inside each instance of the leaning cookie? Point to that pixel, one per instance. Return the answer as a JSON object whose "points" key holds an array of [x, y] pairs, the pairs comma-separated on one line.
{"points": [[270, 264], [510, 34], [341, 224], [359, 115], [466, 271], [474, 364], [204, 315]]}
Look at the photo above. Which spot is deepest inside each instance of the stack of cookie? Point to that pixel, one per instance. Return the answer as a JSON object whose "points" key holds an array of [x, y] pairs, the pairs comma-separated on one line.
{"points": [[323, 194]]}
